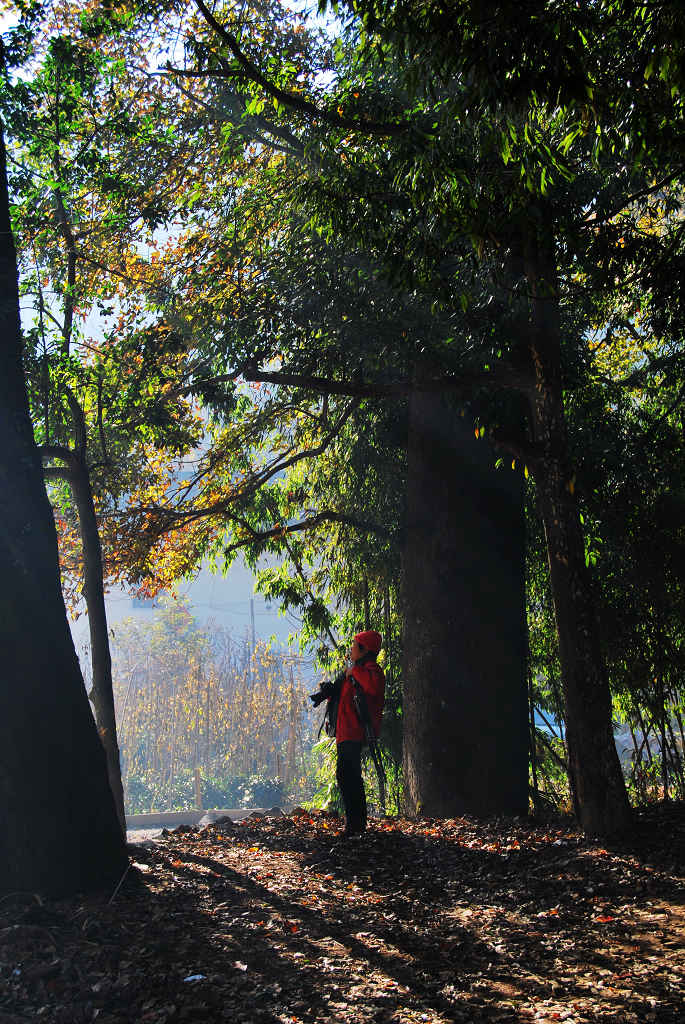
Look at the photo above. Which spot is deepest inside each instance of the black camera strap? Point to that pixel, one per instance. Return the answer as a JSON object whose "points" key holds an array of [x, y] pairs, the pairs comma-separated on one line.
{"points": [[362, 708]]}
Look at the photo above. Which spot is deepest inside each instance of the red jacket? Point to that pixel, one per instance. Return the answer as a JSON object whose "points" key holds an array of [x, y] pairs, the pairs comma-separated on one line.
{"points": [[372, 681]]}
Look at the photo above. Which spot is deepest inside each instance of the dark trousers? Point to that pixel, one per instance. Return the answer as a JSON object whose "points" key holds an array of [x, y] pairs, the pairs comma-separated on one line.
{"points": [[349, 776]]}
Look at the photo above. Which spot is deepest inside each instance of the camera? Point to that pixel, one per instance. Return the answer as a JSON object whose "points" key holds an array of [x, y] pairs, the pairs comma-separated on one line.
{"points": [[329, 688], [325, 691]]}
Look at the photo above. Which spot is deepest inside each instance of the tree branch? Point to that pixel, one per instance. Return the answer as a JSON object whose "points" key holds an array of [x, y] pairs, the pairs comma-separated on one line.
{"points": [[101, 426], [70, 290], [591, 220], [57, 451], [293, 145], [299, 569], [560, 761], [57, 473], [170, 518], [508, 378], [291, 100], [257, 537]]}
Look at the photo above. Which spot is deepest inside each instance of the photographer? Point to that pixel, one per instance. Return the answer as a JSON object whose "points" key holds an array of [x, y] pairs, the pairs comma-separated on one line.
{"points": [[345, 724]]}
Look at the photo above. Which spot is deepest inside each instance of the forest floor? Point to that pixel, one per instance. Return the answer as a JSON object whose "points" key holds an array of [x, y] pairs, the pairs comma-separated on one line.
{"points": [[280, 920]]}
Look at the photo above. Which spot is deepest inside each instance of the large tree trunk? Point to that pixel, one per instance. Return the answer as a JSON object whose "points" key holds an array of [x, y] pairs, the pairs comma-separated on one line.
{"points": [[465, 696], [59, 831], [101, 694], [596, 777]]}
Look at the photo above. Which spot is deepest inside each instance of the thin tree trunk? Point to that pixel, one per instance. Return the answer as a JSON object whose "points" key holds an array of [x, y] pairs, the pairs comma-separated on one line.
{"points": [[78, 476], [681, 752], [679, 720], [662, 731], [549, 725], [387, 640], [594, 767], [676, 760], [558, 708], [59, 831], [102, 693], [533, 739], [645, 735], [637, 752], [559, 760]]}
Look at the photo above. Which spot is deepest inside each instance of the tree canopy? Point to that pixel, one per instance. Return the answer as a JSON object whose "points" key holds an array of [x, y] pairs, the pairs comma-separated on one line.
{"points": [[287, 228]]}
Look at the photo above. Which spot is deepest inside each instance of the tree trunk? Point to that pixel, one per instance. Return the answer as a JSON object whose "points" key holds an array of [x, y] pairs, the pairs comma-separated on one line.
{"points": [[101, 694], [465, 703], [387, 640], [676, 760], [533, 740], [662, 733], [59, 831], [596, 777], [367, 611]]}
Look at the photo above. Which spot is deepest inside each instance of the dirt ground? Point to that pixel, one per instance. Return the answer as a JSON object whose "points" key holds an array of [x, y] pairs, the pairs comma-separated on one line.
{"points": [[281, 920]]}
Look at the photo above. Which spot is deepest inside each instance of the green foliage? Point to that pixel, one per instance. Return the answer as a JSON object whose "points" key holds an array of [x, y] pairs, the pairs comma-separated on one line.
{"points": [[550, 790], [261, 791], [359, 212], [327, 795], [147, 792]]}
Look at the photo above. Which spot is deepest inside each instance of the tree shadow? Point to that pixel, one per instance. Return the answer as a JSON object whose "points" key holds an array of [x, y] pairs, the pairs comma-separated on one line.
{"points": [[416, 929], [285, 924]]}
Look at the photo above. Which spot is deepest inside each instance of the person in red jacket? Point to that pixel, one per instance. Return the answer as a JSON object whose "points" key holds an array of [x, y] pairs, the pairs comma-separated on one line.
{"points": [[349, 731]]}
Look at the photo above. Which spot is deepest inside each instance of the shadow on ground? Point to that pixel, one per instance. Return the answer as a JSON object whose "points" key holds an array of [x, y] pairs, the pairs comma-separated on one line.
{"points": [[280, 920]]}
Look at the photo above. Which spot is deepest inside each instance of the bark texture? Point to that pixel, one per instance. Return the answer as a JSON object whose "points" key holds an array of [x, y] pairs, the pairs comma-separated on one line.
{"points": [[59, 831], [465, 696], [599, 789], [101, 693]]}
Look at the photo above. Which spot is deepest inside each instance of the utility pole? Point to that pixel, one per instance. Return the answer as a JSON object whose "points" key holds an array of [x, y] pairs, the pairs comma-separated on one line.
{"points": [[252, 620]]}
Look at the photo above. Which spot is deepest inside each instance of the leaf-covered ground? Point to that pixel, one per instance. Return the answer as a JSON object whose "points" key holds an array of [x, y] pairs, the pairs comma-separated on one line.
{"points": [[420, 921]]}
